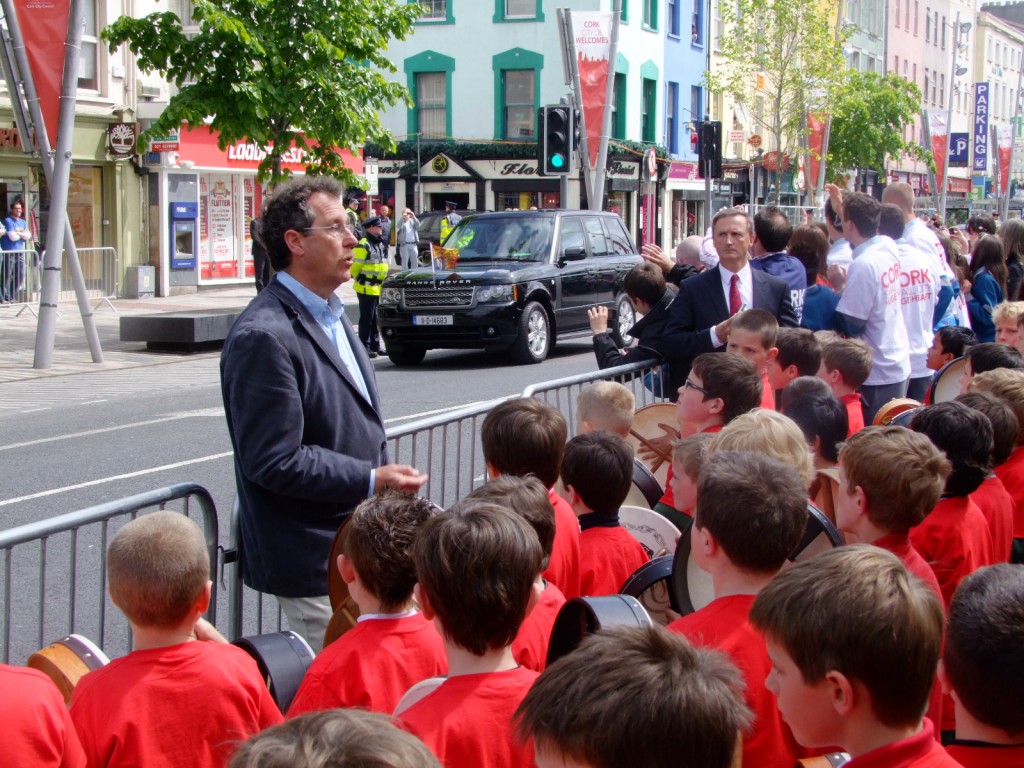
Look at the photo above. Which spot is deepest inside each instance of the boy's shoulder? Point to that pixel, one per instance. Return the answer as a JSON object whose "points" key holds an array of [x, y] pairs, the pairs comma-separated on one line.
{"points": [[977, 755], [719, 620], [531, 644], [375, 637], [921, 750], [470, 701]]}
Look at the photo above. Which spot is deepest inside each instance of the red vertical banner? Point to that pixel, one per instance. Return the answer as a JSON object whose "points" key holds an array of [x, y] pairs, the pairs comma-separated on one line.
{"points": [[44, 30], [939, 133], [815, 141], [1004, 144], [592, 39]]}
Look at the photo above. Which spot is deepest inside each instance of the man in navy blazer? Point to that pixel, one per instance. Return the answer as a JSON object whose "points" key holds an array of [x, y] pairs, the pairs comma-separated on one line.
{"points": [[302, 407], [700, 316]]}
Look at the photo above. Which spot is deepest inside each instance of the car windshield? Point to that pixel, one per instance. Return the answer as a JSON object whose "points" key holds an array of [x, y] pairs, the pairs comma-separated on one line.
{"points": [[503, 238]]}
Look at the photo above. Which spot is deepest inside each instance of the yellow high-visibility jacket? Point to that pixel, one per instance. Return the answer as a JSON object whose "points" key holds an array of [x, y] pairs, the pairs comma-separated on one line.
{"points": [[369, 266]]}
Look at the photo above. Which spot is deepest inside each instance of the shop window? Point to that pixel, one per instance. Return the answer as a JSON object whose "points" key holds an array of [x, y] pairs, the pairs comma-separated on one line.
{"points": [[518, 10], [649, 109], [88, 64]]}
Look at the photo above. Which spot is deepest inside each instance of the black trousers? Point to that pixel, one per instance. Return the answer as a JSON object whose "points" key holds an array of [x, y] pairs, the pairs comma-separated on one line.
{"points": [[369, 334]]}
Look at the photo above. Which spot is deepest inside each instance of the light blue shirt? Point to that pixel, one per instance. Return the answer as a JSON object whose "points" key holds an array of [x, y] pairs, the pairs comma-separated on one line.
{"points": [[328, 316]]}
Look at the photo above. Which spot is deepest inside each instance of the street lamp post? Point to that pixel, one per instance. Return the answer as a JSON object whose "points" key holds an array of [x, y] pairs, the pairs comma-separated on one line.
{"points": [[954, 72]]}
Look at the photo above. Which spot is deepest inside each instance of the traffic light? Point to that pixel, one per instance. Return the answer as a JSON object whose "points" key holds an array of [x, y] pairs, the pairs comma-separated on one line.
{"points": [[710, 150], [556, 140]]}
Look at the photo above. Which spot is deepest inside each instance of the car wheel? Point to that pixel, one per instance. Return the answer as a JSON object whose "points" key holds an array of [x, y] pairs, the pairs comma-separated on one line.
{"points": [[625, 318], [406, 355], [534, 340]]}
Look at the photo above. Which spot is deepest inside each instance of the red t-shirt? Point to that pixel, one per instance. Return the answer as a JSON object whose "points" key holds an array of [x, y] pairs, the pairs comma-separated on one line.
{"points": [[1011, 473], [530, 648], [723, 625], [189, 704], [668, 497], [997, 507], [854, 412], [919, 751], [372, 666], [37, 729], [955, 541], [608, 556], [767, 393], [977, 755], [564, 567], [467, 721]]}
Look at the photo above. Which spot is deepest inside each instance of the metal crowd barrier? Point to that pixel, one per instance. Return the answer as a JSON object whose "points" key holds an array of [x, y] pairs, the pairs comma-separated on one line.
{"points": [[21, 281], [45, 560]]}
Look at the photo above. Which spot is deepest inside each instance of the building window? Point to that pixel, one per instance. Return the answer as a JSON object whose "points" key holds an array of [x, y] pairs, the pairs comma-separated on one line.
{"points": [[927, 82], [648, 110], [650, 14], [673, 18], [943, 28], [942, 91], [897, 14], [697, 23], [518, 10], [619, 107], [624, 11], [88, 64], [435, 11], [672, 117], [696, 102], [915, 17], [928, 25], [519, 122], [431, 104]]}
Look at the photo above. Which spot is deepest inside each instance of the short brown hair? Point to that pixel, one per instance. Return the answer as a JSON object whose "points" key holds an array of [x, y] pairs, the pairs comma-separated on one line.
{"points": [[965, 436], [1005, 426], [691, 452], [770, 433], [645, 282], [754, 505], [288, 208], [728, 213], [732, 378], [984, 638], [863, 211], [1008, 385], [851, 357], [607, 405], [378, 541], [680, 701], [857, 610], [902, 474], [759, 321], [336, 738], [476, 565], [525, 436], [799, 347], [157, 568], [528, 498], [599, 467]]}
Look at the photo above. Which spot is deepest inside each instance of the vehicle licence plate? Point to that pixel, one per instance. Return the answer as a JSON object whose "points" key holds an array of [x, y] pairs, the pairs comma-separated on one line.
{"points": [[432, 320]]}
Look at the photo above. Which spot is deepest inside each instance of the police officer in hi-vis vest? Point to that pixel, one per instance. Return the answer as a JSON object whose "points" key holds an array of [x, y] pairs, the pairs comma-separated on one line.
{"points": [[369, 268], [451, 218]]}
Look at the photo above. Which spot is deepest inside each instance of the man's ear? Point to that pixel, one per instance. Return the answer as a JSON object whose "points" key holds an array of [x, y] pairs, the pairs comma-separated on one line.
{"points": [[294, 240]]}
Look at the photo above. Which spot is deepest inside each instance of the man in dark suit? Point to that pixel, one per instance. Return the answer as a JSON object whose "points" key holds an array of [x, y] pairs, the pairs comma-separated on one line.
{"points": [[302, 407], [701, 314]]}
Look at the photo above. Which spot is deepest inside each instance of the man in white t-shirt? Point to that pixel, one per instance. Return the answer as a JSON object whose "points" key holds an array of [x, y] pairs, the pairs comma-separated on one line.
{"points": [[919, 289], [870, 305]]}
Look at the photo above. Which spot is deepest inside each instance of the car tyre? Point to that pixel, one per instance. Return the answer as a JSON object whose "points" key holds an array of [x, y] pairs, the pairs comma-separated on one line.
{"points": [[406, 355], [625, 318], [534, 340]]}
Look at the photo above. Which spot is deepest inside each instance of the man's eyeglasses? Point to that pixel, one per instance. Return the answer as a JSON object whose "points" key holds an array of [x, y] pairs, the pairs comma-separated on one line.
{"points": [[336, 230], [691, 385]]}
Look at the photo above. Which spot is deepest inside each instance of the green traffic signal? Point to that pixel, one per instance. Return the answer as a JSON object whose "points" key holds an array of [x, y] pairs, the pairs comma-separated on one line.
{"points": [[556, 161]]}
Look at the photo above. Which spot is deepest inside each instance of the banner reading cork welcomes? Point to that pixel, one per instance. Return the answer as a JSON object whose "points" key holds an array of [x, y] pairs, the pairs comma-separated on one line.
{"points": [[592, 39]]}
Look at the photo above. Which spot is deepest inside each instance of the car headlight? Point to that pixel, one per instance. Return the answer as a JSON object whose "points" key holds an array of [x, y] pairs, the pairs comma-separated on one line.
{"points": [[390, 295], [495, 293]]}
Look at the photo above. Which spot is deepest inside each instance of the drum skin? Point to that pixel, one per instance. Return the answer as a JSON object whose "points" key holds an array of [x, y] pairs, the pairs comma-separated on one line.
{"points": [[650, 422], [583, 616], [650, 585], [891, 412], [68, 660], [946, 384]]}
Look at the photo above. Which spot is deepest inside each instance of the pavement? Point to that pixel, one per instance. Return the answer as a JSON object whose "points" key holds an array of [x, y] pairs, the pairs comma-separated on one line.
{"points": [[71, 350]]}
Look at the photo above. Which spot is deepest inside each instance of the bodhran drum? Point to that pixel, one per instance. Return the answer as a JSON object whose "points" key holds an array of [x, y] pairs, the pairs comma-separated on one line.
{"points": [[283, 658], [946, 384], [824, 491], [831, 760], [67, 660], [656, 533], [583, 616], [820, 535], [649, 585], [690, 588], [346, 612], [649, 423], [645, 491], [893, 412], [421, 690]]}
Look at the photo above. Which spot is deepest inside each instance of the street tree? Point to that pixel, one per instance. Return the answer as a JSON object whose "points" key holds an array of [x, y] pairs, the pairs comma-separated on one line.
{"points": [[276, 73], [869, 116], [777, 60]]}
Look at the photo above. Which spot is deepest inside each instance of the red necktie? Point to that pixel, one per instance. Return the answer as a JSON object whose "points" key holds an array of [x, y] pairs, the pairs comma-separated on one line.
{"points": [[734, 295]]}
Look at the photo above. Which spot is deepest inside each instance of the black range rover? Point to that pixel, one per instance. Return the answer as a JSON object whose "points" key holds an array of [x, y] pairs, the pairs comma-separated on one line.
{"points": [[519, 279]]}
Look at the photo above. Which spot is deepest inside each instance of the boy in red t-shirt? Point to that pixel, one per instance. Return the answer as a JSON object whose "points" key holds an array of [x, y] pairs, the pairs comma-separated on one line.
{"points": [[799, 355], [635, 696], [477, 566], [845, 365], [392, 647], [751, 512], [527, 497], [954, 537], [526, 436], [175, 700], [983, 668], [597, 471], [1008, 386], [752, 335], [37, 730], [605, 405], [854, 641], [992, 498]]}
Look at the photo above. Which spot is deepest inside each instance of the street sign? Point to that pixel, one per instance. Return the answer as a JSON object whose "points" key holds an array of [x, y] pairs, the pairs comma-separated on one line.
{"points": [[755, 141], [370, 171]]}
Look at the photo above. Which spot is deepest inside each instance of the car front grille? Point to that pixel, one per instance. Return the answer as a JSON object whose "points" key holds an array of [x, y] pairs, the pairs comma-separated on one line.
{"points": [[429, 296]]}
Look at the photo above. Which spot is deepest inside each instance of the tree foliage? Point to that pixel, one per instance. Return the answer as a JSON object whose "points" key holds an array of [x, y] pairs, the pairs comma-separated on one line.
{"points": [[868, 120], [274, 73], [779, 59]]}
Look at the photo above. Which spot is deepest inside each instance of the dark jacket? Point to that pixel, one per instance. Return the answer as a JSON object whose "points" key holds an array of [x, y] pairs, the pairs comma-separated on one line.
{"points": [[647, 332]]}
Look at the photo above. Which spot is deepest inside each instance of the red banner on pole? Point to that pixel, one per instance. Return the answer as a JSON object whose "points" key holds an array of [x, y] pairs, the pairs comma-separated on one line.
{"points": [[592, 38], [44, 28], [939, 132], [1004, 144], [815, 140]]}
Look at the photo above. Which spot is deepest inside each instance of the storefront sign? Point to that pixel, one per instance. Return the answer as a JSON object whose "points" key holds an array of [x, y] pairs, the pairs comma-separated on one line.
{"points": [[683, 171], [199, 145], [168, 143], [980, 127], [10, 138], [737, 137], [620, 170], [122, 138]]}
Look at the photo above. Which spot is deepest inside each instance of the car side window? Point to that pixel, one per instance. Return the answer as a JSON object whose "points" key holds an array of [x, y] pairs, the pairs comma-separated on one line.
{"points": [[572, 235], [596, 236], [617, 236]]}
